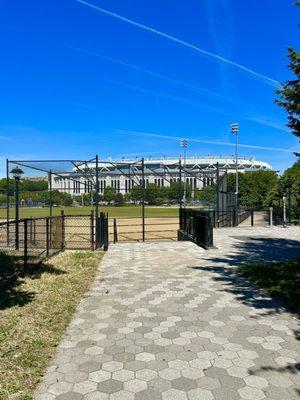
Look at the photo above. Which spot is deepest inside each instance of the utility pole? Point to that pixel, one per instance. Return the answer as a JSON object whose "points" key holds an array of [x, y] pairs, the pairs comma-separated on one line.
{"points": [[184, 144]]}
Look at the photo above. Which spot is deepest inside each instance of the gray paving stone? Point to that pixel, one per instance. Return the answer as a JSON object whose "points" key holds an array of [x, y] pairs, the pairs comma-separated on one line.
{"points": [[172, 321], [70, 396], [110, 386]]}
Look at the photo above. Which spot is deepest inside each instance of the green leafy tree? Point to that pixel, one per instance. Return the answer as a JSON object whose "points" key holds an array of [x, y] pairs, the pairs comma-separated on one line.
{"points": [[254, 187], [208, 196], [152, 193], [289, 94], [119, 199], [287, 185], [136, 194], [109, 194], [127, 197]]}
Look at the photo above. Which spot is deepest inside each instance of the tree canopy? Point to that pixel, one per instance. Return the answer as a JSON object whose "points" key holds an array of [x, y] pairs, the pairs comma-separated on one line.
{"points": [[289, 93]]}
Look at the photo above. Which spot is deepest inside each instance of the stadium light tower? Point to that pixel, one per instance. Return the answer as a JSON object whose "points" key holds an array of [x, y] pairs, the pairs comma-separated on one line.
{"points": [[235, 131], [184, 144]]}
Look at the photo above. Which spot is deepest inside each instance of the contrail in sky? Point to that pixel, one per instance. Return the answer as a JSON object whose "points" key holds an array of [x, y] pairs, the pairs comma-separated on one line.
{"points": [[267, 79], [248, 146], [146, 71]]}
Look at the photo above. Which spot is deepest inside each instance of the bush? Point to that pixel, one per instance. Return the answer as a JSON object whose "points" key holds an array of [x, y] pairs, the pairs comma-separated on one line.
{"points": [[119, 199]]}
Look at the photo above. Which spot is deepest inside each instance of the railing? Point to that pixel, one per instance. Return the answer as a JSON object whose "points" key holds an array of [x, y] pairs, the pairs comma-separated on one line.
{"points": [[196, 226], [231, 217], [31, 240]]}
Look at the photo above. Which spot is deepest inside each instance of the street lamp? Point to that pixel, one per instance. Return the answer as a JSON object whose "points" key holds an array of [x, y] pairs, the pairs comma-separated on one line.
{"points": [[235, 131], [184, 144], [17, 173], [289, 184]]}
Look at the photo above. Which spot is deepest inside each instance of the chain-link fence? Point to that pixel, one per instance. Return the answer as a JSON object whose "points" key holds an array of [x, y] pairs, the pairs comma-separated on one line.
{"points": [[29, 241]]}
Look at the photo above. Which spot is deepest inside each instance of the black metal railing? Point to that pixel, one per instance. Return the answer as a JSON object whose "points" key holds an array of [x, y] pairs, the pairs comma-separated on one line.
{"points": [[231, 217], [31, 240], [196, 226]]}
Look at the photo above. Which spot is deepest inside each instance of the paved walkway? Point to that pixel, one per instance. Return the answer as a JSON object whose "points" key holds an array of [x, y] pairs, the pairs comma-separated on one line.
{"points": [[171, 321]]}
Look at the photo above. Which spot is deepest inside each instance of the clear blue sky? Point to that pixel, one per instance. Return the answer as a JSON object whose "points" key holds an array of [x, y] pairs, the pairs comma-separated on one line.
{"points": [[61, 96]]}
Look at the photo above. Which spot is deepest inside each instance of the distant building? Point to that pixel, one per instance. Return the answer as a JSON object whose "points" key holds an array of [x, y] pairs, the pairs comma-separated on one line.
{"points": [[123, 174]]}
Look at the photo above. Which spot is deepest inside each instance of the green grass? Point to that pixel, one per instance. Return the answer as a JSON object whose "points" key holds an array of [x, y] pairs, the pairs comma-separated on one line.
{"points": [[34, 313], [113, 211], [280, 279]]}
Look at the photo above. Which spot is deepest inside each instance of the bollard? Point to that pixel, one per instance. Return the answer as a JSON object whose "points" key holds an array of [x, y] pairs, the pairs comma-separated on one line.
{"points": [[271, 216], [284, 210]]}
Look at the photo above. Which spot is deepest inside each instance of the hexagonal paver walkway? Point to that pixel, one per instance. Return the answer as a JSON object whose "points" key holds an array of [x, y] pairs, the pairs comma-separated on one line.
{"points": [[171, 321]]}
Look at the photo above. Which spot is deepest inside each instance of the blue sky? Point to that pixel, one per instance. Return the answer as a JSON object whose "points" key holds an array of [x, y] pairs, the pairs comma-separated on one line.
{"points": [[76, 81]]}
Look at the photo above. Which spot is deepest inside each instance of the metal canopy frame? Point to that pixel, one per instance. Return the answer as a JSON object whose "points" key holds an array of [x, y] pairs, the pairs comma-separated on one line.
{"points": [[133, 170]]}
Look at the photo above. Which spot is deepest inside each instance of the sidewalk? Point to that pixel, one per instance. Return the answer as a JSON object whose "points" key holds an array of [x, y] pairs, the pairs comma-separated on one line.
{"points": [[170, 321]]}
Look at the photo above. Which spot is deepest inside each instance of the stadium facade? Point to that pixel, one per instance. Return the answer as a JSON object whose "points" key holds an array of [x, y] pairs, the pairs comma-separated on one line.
{"points": [[123, 174]]}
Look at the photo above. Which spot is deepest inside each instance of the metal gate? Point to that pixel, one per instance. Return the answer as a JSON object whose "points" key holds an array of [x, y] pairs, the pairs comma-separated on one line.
{"points": [[196, 226]]}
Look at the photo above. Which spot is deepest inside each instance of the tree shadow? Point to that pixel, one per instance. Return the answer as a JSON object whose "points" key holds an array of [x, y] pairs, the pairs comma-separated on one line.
{"points": [[264, 251], [247, 250], [12, 277]]}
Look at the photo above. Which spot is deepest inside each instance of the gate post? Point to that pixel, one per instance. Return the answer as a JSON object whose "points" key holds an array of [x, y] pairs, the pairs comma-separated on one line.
{"points": [[115, 231], [63, 230], [252, 217], [92, 230], [143, 200], [25, 246], [47, 236], [105, 231]]}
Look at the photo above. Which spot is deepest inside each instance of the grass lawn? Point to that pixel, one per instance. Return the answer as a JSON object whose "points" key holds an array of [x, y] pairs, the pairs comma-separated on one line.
{"points": [[113, 211], [34, 313], [281, 279]]}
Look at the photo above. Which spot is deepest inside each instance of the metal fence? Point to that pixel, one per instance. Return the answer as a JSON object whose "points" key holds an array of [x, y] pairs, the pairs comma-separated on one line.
{"points": [[132, 229], [196, 226], [29, 241], [231, 217]]}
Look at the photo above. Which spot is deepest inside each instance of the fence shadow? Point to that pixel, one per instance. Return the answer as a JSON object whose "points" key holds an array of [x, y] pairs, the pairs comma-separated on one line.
{"points": [[11, 279]]}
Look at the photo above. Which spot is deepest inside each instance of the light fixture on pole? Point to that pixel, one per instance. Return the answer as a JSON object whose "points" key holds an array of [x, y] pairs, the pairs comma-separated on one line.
{"points": [[17, 173], [235, 131], [184, 144]]}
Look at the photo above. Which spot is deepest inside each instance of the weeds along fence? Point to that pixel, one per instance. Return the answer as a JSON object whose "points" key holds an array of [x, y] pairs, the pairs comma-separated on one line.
{"points": [[30, 241]]}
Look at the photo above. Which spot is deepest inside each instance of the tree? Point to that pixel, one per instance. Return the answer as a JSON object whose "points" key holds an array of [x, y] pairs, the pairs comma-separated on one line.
{"points": [[119, 199], [289, 94], [288, 184], [136, 194], [109, 194], [208, 196], [175, 191], [254, 187], [152, 193]]}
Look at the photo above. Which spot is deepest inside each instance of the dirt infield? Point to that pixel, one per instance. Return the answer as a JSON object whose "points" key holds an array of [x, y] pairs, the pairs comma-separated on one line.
{"points": [[130, 229], [79, 232]]}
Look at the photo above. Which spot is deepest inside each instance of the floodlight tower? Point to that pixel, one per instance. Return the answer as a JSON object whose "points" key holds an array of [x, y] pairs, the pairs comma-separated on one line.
{"points": [[235, 131], [184, 144]]}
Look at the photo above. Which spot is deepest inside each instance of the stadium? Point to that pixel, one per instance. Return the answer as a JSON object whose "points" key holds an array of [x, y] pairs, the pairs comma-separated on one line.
{"points": [[122, 175]]}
